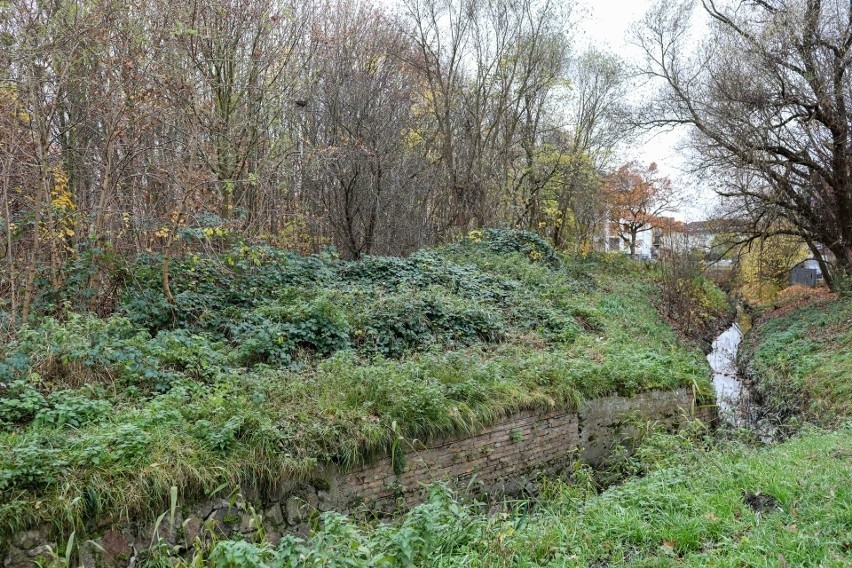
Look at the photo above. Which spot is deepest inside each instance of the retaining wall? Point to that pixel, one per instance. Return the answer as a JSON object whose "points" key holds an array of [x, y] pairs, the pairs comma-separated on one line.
{"points": [[504, 460]]}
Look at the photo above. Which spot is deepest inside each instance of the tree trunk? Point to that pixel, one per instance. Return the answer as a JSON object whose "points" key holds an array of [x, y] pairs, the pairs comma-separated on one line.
{"points": [[9, 254], [823, 265], [843, 259]]}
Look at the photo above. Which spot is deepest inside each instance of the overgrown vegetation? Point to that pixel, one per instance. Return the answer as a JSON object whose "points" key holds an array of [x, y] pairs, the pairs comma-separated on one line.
{"points": [[689, 299], [268, 364], [689, 499], [799, 355]]}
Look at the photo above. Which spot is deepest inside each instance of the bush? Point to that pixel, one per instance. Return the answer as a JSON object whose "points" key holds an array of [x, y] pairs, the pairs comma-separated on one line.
{"points": [[20, 403], [505, 241], [270, 365], [65, 408]]}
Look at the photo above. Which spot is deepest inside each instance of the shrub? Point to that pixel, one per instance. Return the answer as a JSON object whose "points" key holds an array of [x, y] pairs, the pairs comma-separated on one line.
{"points": [[31, 466], [20, 403], [81, 349], [504, 241], [65, 408], [403, 322]]}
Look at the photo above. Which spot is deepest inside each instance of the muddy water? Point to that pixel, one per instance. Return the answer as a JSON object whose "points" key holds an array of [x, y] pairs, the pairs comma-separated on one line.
{"points": [[726, 380]]}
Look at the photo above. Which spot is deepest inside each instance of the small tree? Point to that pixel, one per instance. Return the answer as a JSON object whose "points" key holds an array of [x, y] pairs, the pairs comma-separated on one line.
{"points": [[636, 196]]}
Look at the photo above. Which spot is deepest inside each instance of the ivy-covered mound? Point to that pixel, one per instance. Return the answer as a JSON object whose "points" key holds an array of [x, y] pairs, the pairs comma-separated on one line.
{"points": [[269, 363]]}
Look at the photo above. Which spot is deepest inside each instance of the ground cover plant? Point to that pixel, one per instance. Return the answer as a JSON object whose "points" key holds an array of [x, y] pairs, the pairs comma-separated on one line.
{"points": [[690, 499], [269, 364], [799, 356]]}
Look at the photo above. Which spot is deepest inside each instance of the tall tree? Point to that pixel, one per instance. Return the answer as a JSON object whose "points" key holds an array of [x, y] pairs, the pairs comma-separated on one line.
{"points": [[358, 115], [769, 98], [239, 54], [595, 127], [488, 70]]}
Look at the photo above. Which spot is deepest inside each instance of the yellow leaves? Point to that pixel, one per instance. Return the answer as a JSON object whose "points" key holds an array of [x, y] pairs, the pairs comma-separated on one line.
{"points": [[63, 208], [162, 232], [764, 268], [63, 202], [61, 196], [413, 138], [475, 235], [210, 232], [296, 234]]}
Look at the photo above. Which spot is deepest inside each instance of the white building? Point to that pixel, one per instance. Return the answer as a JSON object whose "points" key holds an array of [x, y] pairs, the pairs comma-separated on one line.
{"points": [[612, 242]]}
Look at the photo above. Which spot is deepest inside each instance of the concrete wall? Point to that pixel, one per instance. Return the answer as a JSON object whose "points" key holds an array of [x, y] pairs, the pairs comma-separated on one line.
{"points": [[506, 459]]}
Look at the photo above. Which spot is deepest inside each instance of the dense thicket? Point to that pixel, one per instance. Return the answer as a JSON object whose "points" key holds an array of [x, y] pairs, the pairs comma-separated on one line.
{"points": [[269, 364], [133, 127]]}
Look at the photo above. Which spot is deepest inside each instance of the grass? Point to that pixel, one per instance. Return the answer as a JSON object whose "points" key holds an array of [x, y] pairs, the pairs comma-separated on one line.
{"points": [[800, 354], [689, 499], [271, 364], [787, 505]]}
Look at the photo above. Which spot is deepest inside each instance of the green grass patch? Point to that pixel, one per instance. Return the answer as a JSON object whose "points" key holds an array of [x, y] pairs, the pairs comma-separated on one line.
{"points": [[801, 358]]}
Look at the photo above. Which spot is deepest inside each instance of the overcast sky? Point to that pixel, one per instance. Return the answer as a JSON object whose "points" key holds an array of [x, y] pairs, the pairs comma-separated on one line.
{"points": [[606, 24]]}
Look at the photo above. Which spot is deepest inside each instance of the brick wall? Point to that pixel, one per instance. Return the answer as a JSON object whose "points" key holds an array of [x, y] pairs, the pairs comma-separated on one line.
{"points": [[507, 457], [617, 420], [493, 462]]}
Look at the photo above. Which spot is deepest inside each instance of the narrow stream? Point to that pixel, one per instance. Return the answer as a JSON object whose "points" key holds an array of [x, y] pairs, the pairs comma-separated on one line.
{"points": [[726, 380], [736, 409]]}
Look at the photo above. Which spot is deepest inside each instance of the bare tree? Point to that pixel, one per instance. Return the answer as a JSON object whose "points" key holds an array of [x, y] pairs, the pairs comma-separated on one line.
{"points": [[595, 128], [768, 97], [128, 125], [488, 70], [358, 118]]}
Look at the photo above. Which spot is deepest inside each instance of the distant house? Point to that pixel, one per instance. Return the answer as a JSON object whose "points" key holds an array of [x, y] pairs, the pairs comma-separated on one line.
{"points": [[666, 234], [701, 234], [669, 235], [661, 235], [809, 272], [611, 241]]}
